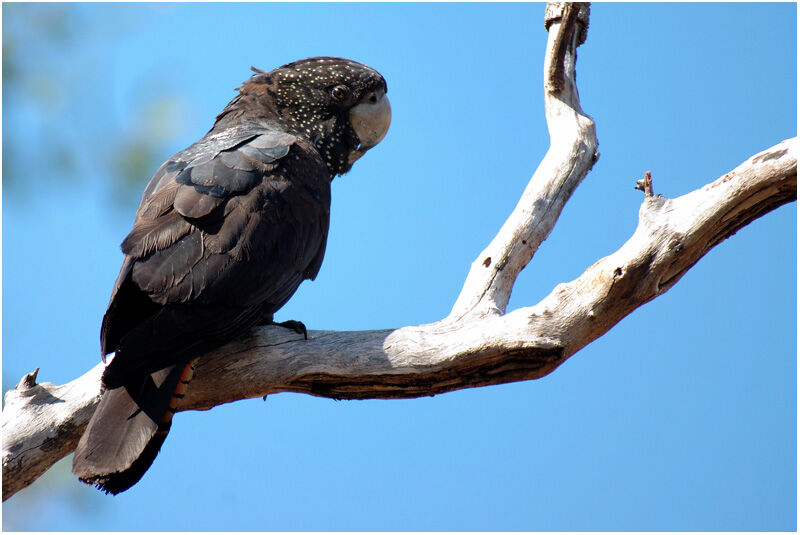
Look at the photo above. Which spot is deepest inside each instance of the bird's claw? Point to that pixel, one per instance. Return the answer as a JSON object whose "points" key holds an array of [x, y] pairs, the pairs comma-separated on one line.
{"points": [[296, 326]]}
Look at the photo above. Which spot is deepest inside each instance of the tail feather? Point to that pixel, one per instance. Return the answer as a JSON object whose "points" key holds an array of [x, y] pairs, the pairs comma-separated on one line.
{"points": [[128, 428]]}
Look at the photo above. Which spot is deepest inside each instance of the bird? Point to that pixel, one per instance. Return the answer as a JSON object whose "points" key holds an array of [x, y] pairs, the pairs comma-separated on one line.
{"points": [[226, 231]]}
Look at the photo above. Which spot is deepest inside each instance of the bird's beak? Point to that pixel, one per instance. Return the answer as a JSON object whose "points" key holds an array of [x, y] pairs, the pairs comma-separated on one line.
{"points": [[370, 120]]}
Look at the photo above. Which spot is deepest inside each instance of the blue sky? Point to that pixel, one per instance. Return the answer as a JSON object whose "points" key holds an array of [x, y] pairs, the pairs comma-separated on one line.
{"points": [[682, 417]]}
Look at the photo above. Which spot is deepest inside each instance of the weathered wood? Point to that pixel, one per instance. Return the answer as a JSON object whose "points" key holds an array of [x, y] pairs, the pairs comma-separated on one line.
{"points": [[42, 423], [477, 344], [572, 153]]}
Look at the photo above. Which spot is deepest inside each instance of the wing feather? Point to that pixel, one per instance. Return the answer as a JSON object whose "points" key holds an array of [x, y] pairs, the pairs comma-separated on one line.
{"points": [[217, 244]]}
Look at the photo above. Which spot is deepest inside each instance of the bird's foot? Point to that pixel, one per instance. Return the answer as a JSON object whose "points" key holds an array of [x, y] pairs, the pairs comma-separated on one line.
{"points": [[296, 326]]}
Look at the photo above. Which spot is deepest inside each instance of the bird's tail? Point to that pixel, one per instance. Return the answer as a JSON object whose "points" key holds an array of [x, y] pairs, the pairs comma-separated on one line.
{"points": [[128, 428]]}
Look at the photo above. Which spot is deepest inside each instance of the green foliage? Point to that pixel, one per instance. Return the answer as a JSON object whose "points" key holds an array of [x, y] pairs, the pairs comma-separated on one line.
{"points": [[141, 149], [60, 132], [61, 110]]}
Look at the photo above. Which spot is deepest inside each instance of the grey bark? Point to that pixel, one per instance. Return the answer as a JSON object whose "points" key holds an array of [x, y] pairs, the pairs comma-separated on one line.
{"points": [[478, 344]]}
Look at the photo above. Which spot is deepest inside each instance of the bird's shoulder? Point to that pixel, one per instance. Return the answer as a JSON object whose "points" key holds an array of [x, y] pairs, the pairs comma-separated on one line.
{"points": [[221, 162], [230, 200], [222, 165]]}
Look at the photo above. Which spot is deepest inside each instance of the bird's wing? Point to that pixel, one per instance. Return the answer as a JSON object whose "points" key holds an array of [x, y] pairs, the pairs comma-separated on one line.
{"points": [[159, 224], [196, 181], [150, 230], [224, 237]]}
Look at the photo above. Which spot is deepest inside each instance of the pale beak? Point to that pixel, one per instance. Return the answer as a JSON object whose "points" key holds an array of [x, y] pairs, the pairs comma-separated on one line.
{"points": [[370, 120]]}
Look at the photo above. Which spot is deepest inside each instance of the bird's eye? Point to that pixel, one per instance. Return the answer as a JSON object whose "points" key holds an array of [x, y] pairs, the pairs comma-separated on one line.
{"points": [[339, 92]]}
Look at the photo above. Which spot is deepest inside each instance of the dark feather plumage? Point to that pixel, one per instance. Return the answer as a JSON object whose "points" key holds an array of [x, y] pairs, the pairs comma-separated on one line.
{"points": [[226, 231]]}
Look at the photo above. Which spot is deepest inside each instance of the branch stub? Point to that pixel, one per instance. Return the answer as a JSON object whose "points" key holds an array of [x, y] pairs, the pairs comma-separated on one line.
{"points": [[555, 10]]}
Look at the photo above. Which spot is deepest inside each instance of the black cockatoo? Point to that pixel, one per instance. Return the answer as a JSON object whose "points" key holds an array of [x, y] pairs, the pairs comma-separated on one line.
{"points": [[226, 231]]}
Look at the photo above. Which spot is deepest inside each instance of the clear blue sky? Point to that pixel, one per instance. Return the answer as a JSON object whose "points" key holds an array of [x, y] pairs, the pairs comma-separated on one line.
{"points": [[683, 417]]}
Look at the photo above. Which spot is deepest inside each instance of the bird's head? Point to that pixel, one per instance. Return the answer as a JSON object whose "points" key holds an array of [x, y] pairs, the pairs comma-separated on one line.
{"points": [[339, 105]]}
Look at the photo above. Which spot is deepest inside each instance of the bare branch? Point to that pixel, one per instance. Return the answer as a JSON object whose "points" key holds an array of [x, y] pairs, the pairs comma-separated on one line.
{"points": [[672, 235], [572, 153], [476, 345], [42, 424], [645, 184]]}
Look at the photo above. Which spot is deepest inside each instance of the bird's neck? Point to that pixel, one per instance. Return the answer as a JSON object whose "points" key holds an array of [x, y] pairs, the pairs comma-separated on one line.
{"points": [[246, 107], [332, 139]]}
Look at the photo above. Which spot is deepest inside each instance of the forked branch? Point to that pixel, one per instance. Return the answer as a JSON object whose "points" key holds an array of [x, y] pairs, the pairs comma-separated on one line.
{"points": [[478, 344]]}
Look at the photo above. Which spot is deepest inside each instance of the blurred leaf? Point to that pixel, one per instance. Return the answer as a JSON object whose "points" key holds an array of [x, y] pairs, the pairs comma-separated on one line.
{"points": [[141, 152], [49, 112], [58, 130]]}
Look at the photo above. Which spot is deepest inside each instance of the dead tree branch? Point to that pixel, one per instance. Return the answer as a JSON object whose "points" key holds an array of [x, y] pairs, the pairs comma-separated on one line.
{"points": [[478, 344]]}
